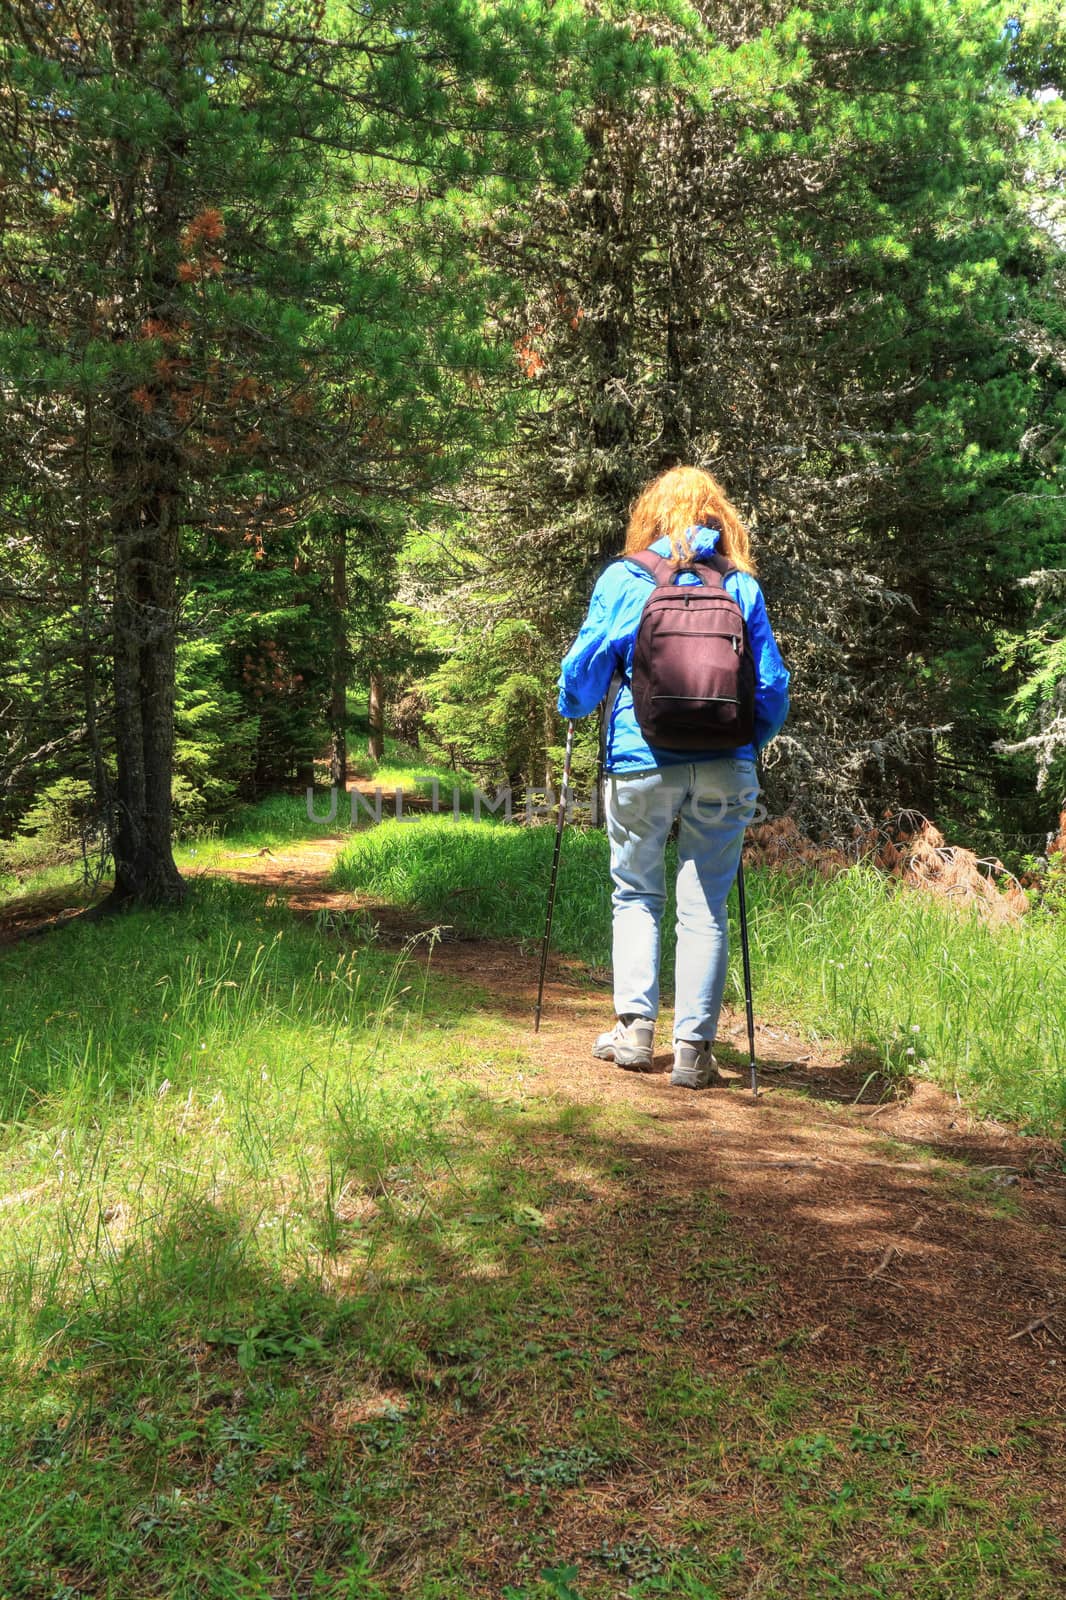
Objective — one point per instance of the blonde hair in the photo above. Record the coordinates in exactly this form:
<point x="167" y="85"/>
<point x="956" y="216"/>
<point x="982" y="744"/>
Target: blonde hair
<point x="684" y="498"/>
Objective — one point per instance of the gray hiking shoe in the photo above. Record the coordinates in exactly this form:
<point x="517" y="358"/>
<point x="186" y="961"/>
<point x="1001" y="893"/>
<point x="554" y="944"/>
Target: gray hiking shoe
<point x="694" y="1066"/>
<point x="630" y="1046"/>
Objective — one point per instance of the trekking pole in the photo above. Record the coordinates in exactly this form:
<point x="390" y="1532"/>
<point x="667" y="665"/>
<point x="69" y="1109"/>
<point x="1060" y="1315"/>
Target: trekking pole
<point x="746" y="953"/>
<point x="747" y="980"/>
<point x="598" y="819"/>
<point x="564" y="798"/>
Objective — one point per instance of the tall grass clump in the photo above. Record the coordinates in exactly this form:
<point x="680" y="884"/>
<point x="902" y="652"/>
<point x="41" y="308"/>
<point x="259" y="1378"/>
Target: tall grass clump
<point x="488" y="878"/>
<point x="933" y="989"/>
<point x="979" y="1006"/>
<point x="123" y="1004"/>
<point x="195" y="1104"/>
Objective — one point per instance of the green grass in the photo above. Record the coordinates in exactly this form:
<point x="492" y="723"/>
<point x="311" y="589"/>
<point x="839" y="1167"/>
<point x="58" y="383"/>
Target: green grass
<point x="411" y="770"/>
<point x="283" y="819"/>
<point x="245" y="986"/>
<point x="271" y="823"/>
<point x="56" y="877"/>
<point x="489" y="878"/>
<point x="310" y="1289"/>
<point x="981" y="1009"/>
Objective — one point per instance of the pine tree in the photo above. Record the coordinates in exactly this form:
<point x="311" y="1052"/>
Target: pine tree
<point x="815" y="275"/>
<point x="236" y="290"/>
<point x="1037" y="650"/>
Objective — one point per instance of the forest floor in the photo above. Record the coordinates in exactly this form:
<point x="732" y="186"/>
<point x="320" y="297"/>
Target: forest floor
<point x="812" y="1344"/>
<point x="901" y="1260"/>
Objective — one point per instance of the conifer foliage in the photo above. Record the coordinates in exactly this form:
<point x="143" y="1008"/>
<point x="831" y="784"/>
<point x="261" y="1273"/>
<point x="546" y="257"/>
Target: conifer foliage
<point x="279" y="283"/>
<point x="235" y="289"/>
<point x="820" y="273"/>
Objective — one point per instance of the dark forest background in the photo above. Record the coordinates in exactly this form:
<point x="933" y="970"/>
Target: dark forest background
<point x="335" y="342"/>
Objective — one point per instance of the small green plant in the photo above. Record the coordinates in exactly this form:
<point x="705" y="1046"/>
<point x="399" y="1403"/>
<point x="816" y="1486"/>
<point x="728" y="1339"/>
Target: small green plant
<point x="263" y="1342"/>
<point x="801" y="1458"/>
<point x="873" y="1441"/>
<point x="557" y="1580"/>
<point x="1053" y="887"/>
<point x="635" y="1558"/>
<point x="559" y="1469"/>
<point x="931" y="1506"/>
<point x="358" y="926"/>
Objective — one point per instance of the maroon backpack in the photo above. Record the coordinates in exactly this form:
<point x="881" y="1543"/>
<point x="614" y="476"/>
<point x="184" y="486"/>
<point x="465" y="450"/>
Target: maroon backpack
<point x="693" y="674"/>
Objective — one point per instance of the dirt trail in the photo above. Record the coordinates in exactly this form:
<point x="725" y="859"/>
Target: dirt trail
<point x="885" y="1224"/>
<point x="298" y="873"/>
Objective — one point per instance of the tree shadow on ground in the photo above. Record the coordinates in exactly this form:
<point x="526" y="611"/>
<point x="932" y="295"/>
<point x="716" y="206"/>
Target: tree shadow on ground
<point x="552" y="1313"/>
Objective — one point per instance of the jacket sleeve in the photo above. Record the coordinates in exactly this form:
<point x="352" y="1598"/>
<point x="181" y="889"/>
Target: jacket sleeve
<point x="592" y="659"/>
<point x="771" y="674"/>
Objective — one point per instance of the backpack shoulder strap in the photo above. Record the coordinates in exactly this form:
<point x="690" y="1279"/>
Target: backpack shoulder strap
<point x="663" y="572"/>
<point x="712" y="570"/>
<point x="721" y="564"/>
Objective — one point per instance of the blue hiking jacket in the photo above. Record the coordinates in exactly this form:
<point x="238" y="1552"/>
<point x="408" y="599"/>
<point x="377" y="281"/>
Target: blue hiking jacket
<point x="605" y="645"/>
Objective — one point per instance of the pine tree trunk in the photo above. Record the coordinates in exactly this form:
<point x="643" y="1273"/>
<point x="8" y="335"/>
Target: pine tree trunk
<point x="146" y="505"/>
<point x="682" y="352"/>
<point x="376" y="718"/>
<point x="145" y="614"/>
<point x="609" y="333"/>
<point x="338" y="706"/>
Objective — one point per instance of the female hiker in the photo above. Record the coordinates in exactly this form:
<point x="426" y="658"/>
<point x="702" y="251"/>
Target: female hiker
<point x="711" y="690"/>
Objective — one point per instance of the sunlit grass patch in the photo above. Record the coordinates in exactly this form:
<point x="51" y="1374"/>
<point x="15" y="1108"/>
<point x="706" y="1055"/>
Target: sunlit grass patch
<point x="209" y="1087"/>
<point x="312" y="1226"/>
<point x="220" y="1085"/>
<point x="488" y="877"/>
<point x="122" y="1005"/>
<point x="308" y="1286"/>
<point x="936" y="991"/>
<point x="982" y="1009"/>
<point x="284" y="819"/>
<point x="41" y="881"/>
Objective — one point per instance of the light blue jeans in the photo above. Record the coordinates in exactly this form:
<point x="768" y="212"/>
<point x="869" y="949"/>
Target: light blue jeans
<point x="713" y="802"/>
